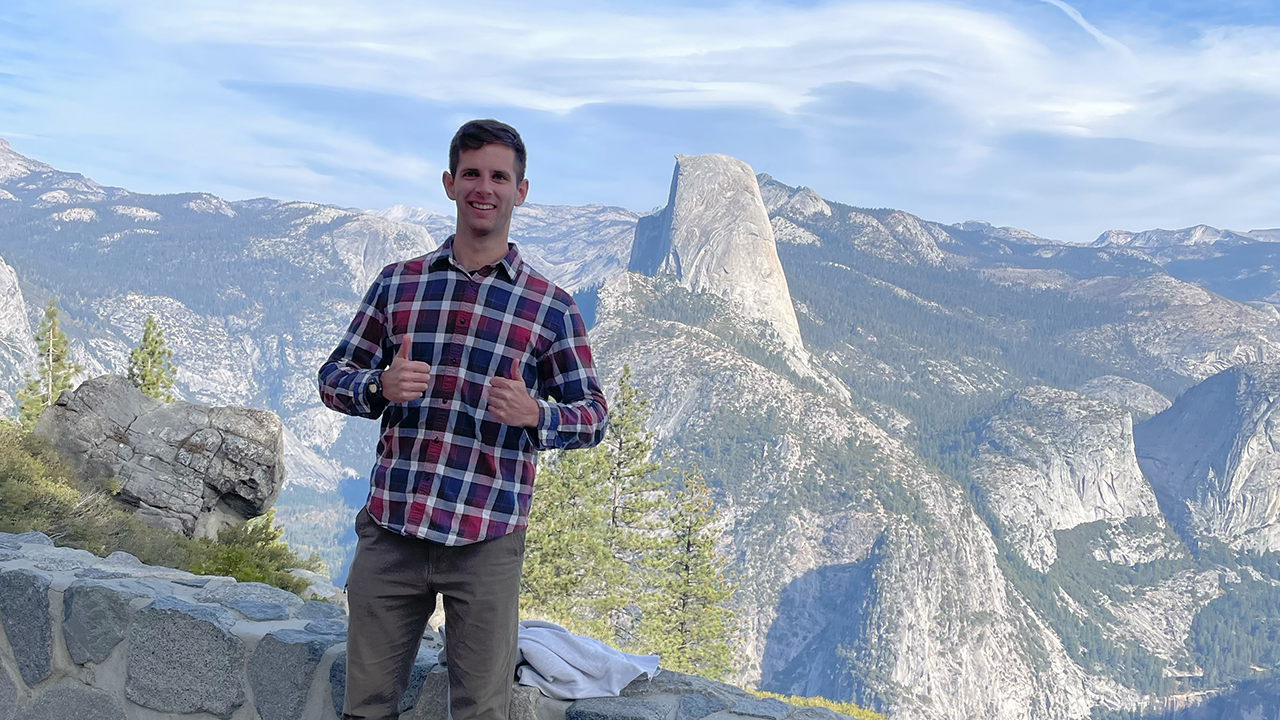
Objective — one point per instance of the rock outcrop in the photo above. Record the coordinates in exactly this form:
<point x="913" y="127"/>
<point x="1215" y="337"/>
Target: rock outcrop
<point x="184" y="467"/>
<point x="1214" y="457"/>
<point x="1053" y="459"/>
<point x="1142" y="401"/>
<point x="109" y="639"/>
<point x="714" y="236"/>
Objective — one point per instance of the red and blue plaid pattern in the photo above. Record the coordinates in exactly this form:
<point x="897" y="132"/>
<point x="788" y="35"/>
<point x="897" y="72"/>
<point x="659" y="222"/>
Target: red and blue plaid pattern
<point x="446" y="471"/>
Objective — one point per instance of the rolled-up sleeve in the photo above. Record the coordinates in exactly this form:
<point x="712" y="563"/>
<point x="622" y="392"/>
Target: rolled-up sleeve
<point x="575" y="414"/>
<point x="345" y="376"/>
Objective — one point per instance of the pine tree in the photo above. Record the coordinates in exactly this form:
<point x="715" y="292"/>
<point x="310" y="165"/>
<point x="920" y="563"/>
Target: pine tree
<point x="594" y="514"/>
<point x="53" y="369"/>
<point x="569" y="566"/>
<point x="608" y="541"/>
<point x="637" y="500"/>
<point x="685" y="617"/>
<point x="149" y="367"/>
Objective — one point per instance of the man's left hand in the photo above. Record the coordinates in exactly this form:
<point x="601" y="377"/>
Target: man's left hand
<point x="511" y="404"/>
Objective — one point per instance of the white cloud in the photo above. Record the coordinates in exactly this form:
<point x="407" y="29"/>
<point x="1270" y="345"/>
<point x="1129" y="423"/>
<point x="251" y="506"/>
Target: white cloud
<point x="171" y="71"/>
<point x="990" y="70"/>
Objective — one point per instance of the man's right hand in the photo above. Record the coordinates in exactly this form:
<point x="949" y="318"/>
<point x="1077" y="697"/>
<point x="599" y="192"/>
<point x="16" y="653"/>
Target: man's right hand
<point x="405" y="379"/>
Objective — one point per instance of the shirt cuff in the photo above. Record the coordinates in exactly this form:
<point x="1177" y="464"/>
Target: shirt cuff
<point x="548" y="423"/>
<point x="361" y="389"/>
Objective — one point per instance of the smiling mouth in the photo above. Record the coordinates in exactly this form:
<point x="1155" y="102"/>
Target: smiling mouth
<point x="482" y="206"/>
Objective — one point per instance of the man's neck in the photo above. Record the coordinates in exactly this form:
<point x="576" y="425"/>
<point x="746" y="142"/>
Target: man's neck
<point x="474" y="252"/>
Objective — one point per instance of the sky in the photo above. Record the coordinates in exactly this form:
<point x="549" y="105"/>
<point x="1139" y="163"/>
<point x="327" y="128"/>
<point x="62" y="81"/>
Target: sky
<point x="1065" y="119"/>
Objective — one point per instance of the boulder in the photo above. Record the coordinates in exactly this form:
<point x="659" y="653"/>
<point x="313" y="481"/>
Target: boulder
<point x="670" y="682"/>
<point x="183" y="658"/>
<point x="33" y="537"/>
<point x="696" y="706"/>
<point x="316" y="610"/>
<point x="72" y="700"/>
<point x="254" y="600"/>
<point x="281" y="670"/>
<point x="24" y="607"/>
<point x="182" y="466"/>
<point x="96" y="613"/>
<point x="766" y="708"/>
<point x="615" y="708"/>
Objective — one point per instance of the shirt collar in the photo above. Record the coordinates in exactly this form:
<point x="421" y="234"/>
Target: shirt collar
<point x="511" y="263"/>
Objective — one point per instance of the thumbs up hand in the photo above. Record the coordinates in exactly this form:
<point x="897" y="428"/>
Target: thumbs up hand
<point x="405" y="379"/>
<point x="510" y="402"/>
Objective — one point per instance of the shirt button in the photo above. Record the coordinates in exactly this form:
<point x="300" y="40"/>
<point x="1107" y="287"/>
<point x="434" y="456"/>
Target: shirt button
<point x="435" y="441"/>
<point x="462" y="322"/>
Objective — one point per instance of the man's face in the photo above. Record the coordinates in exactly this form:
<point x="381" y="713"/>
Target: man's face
<point x="485" y="189"/>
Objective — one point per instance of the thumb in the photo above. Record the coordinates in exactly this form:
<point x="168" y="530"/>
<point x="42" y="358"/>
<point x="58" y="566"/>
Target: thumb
<point x="403" y="352"/>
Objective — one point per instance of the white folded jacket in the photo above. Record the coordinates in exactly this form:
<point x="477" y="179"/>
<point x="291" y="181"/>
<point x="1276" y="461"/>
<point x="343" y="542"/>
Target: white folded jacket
<point x="565" y="666"/>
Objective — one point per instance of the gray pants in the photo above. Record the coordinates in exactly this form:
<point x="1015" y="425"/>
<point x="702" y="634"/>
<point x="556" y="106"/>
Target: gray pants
<point x="391" y="590"/>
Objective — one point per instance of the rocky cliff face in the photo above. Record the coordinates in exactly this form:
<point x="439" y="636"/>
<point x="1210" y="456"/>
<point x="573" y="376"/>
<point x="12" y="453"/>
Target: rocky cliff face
<point x="863" y="572"/>
<point x="17" y="348"/>
<point x="714" y="236"/>
<point x="184" y="467"/>
<point x="1213" y="460"/>
<point x="1051" y="460"/>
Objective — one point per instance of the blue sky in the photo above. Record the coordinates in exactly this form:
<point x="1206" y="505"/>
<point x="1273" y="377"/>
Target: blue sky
<point x="1063" y="119"/>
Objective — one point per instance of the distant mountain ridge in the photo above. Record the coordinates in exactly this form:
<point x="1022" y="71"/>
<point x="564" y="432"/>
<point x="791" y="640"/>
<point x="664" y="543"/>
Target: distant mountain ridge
<point x="1195" y="235"/>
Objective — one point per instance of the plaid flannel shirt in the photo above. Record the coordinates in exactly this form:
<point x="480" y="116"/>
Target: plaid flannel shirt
<point x="446" y="471"/>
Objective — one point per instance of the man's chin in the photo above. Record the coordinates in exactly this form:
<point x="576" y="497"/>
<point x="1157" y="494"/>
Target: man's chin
<point x="482" y="230"/>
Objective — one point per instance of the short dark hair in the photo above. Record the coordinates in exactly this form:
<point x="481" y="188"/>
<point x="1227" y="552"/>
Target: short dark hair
<point x="478" y="133"/>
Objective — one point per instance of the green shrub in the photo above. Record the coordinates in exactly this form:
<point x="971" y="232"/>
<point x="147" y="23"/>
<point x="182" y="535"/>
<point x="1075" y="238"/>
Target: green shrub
<point x="843" y="708"/>
<point x="39" y="491"/>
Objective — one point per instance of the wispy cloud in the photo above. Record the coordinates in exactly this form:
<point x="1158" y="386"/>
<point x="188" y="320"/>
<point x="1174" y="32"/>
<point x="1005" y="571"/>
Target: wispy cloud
<point x="209" y="83"/>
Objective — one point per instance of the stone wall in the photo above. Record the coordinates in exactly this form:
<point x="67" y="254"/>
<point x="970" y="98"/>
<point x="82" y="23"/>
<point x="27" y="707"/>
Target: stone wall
<point x="89" y="638"/>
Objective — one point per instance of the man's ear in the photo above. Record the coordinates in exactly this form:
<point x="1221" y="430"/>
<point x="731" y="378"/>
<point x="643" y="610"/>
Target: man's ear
<point x="522" y="190"/>
<point x="447" y="179"/>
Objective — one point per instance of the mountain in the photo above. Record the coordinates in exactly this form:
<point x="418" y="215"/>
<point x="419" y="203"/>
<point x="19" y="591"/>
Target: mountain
<point x="1213" y="457"/>
<point x="862" y="569"/>
<point x="1053" y="460"/>
<point x="1241" y="266"/>
<point x="870" y="466"/>
<point x="864" y="566"/>
<point x="1197" y="235"/>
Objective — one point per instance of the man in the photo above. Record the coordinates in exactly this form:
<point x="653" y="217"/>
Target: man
<point x="447" y="348"/>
